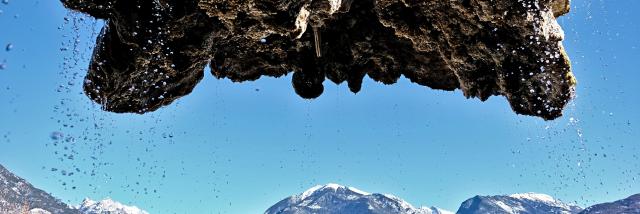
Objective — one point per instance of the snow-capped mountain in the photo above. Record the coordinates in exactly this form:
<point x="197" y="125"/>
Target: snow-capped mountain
<point x="107" y="206"/>
<point x="527" y="203"/>
<point x="334" y="198"/>
<point x="630" y="205"/>
<point x="17" y="196"/>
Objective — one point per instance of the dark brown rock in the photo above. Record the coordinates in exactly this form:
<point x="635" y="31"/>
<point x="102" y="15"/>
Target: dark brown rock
<point x="148" y="54"/>
<point x="153" y="52"/>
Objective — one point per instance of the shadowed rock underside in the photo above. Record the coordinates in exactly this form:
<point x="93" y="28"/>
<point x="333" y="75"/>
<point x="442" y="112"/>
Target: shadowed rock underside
<point x="151" y="53"/>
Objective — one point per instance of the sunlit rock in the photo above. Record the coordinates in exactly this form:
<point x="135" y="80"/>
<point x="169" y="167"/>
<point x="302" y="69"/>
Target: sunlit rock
<point x="150" y="53"/>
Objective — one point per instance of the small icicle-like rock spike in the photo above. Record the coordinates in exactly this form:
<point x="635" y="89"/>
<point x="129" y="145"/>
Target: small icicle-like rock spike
<point x="317" y="41"/>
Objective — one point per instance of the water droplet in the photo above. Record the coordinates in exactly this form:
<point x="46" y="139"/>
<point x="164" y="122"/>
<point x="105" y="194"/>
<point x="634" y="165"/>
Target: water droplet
<point x="56" y="135"/>
<point x="9" y="47"/>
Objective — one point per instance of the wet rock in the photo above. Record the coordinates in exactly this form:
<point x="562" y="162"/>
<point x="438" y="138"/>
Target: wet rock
<point x="148" y="54"/>
<point x="153" y="52"/>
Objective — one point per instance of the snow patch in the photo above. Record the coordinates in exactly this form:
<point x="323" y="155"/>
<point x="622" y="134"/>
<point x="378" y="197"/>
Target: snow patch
<point x="504" y="206"/>
<point x="534" y="197"/>
<point x="358" y="191"/>
<point x="330" y="186"/>
<point x="89" y="206"/>
<point x="38" y="211"/>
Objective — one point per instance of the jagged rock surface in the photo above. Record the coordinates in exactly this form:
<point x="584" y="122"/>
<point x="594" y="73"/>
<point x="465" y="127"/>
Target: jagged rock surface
<point x="148" y="54"/>
<point x="18" y="196"/>
<point x="153" y="52"/>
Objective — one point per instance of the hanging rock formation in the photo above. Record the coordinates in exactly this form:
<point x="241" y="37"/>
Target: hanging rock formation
<point x="151" y="53"/>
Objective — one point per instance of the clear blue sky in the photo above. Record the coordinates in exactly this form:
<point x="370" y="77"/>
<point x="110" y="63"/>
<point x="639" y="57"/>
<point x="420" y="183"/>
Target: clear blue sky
<point x="228" y="148"/>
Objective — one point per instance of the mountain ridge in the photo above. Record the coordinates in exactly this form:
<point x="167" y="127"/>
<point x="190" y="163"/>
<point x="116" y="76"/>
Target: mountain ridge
<point x="324" y="198"/>
<point x="335" y="199"/>
<point x="17" y="196"/>
<point x="629" y="205"/>
<point x="521" y="203"/>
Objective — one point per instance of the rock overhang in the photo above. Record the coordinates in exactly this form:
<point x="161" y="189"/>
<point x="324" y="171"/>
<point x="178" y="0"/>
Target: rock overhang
<point x="152" y="52"/>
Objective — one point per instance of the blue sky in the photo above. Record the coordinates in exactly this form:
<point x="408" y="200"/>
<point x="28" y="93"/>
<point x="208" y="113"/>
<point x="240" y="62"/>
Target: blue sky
<point x="228" y="148"/>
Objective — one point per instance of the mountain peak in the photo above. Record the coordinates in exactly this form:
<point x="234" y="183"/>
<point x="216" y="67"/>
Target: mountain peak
<point x="522" y="203"/>
<point x="330" y="187"/>
<point x="16" y="192"/>
<point x="334" y="198"/>
<point x="40" y="202"/>
<point x="532" y="196"/>
<point x="107" y="205"/>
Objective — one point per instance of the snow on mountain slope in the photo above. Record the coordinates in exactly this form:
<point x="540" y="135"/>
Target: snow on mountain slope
<point x="630" y="205"/>
<point x="335" y="199"/>
<point x="107" y="206"/>
<point x="525" y="203"/>
<point x="17" y="196"/>
<point x="38" y="211"/>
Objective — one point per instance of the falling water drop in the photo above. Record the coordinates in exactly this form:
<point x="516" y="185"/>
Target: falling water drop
<point x="56" y="135"/>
